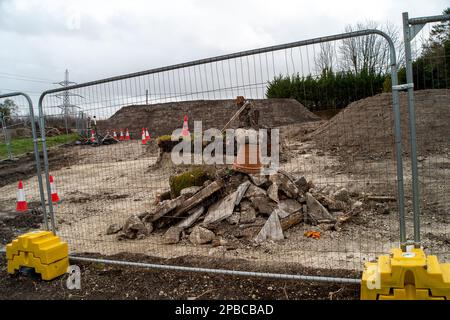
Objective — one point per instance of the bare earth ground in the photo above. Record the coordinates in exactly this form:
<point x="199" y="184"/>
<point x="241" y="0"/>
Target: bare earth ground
<point x="108" y="183"/>
<point x="103" y="185"/>
<point x="100" y="281"/>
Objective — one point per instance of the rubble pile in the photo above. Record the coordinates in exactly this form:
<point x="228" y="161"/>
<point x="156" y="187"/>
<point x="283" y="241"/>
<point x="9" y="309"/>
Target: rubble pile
<point x="240" y="206"/>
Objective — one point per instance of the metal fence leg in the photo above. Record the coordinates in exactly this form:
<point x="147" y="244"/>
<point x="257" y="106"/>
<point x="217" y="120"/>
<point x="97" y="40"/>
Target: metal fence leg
<point x="46" y="166"/>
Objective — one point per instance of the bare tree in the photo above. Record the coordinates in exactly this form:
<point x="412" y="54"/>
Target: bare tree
<point x="371" y="52"/>
<point x="326" y="58"/>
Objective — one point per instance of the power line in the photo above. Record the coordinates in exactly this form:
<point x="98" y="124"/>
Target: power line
<point x="20" y="90"/>
<point x="28" y="77"/>
<point x="21" y="79"/>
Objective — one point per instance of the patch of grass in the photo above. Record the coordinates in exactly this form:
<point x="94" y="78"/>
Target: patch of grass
<point x="21" y="146"/>
<point x="195" y="177"/>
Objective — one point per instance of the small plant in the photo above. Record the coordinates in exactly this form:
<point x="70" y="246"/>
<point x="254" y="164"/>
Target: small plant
<point x="195" y="177"/>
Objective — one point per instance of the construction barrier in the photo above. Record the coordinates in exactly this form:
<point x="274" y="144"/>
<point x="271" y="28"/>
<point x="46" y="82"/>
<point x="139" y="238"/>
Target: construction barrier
<point x="40" y="250"/>
<point x="410" y="275"/>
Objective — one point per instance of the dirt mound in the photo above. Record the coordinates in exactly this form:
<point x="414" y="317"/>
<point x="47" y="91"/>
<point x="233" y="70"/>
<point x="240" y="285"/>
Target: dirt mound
<point x="366" y="127"/>
<point x="25" y="166"/>
<point x="163" y="118"/>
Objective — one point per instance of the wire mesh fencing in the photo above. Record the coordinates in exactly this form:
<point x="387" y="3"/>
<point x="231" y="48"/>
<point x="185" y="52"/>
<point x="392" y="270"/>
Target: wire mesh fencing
<point x="21" y="199"/>
<point x="331" y="204"/>
<point x="430" y="76"/>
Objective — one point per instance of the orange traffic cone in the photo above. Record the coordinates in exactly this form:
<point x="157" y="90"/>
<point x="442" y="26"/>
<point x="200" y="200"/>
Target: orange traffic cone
<point x="185" y="132"/>
<point x="147" y="135"/>
<point x="115" y="134"/>
<point x="92" y="136"/>
<point x="21" y="201"/>
<point x="143" y="137"/>
<point x="55" y="197"/>
<point x="121" y="135"/>
<point x="127" y="135"/>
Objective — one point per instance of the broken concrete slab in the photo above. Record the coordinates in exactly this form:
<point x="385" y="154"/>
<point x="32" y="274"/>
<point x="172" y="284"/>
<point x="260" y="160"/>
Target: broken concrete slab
<point x="291" y="220"/>
<point x="281" y="213"/>
<point x="172" y="235"/>
<point x="221" y="209"/>
<point x="285" y="184"/>
<point x="254" y="191"/>
<point x="162" y="209"/>
<point x="263" y="205"/>
<point x="316" y="211"/>
<point x="192" y="216"/>
<point x="272" y="192"/>
<point x="290" y="205"/>
<point x="133" y="227"/>
<point x="258" y="179"/>
<point x="198" y="198"/>
<point x="189" y="191"/>
<point x="201" y="235"/>
<point x="271" y="230"/>
<point x="241" y="190"/>
<point x="248" y="213"/>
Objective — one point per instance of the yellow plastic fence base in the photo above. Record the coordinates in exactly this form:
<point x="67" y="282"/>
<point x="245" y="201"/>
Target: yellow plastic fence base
<point x="40" y="250"/>
<point x="406" y="276"/>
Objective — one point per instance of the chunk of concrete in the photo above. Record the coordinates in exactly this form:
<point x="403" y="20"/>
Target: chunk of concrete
<point x="254" y="191"/>
<point x="201" y="235"/>
<point x="281" y="213"/>
<point x="271" y="230"/>
<point x="263" y="205"/>
<point x="134" y="227"/>
<point x="290" y="205"/>
<point x="172" y="235"/>
<point x="192" y="216"/>
<point x="285" y="184"/>
<point x="316" y="211"/>
<point x="189" y="191"/>
<point x="258" y="179"/>
<point x="221" y="209"/>
<point x="248" y="213"/>
<point x="272" y="192"/>
<point x="241" y="190"/>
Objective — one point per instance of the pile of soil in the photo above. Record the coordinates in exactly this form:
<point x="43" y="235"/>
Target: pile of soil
<point x="163" y="118"/>
<point x="366" y="127"/>
<point x="25" y="166"/>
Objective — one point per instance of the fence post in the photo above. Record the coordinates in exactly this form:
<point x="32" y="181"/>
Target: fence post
<point x="36" y="151"/>
<point x="6" y="136"/>
<point x="410" y="28"/>
<point x="46" y="165"/>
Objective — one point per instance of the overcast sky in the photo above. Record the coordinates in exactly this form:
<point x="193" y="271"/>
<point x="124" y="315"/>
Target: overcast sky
<point x="96" y="39"/>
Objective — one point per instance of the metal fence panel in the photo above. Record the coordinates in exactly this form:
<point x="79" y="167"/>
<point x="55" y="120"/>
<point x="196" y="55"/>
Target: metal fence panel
<point x="359" y="149"/>
<point x="20" y="163"/>
<point x="428" y="100"/>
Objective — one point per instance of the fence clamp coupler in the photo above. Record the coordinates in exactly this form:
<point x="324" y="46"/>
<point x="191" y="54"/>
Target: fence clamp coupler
<point x="401" y="87"/>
